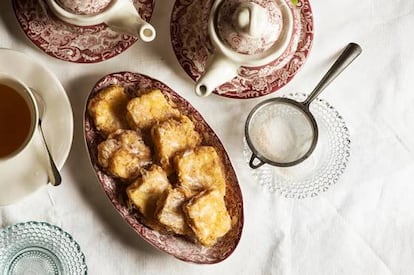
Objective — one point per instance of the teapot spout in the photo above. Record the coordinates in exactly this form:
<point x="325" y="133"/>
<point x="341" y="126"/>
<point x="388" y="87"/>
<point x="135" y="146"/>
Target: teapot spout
<point x="127" y="20"/>
<point x="218" y="71"/>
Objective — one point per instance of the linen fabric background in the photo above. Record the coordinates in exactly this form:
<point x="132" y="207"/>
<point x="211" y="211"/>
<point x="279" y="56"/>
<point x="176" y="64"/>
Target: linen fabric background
<point x="362" y="225"/>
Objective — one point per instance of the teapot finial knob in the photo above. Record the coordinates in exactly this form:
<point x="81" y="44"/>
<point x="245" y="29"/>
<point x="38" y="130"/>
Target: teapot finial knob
<point x="248" y="26"/>
<point x="251" y="19"/>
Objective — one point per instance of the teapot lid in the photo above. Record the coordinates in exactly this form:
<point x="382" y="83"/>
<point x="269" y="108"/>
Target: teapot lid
<point x="84" y="7"/>
<point x="249" y="26"/>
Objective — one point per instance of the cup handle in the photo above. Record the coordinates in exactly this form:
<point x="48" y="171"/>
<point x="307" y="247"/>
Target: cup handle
<point x="257" y="164"/>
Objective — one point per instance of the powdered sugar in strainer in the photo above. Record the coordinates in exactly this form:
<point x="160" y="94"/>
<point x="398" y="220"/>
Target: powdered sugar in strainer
<point x="283" y="132"/>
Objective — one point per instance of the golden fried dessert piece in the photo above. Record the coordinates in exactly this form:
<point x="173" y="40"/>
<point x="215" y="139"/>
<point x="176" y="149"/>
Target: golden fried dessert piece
<point x="148" y="109"/>
<point x="199" y="169"/>
<point x="124" y="165"/>
<point x="146" y="190"/>
<point x="170" y="211"/>
<point x="173" y="136"/>
<point x="123" y="154"/>
<point x="108" y="109"/>
<point x="208" y="217"/>
<point x="105" y="151"/>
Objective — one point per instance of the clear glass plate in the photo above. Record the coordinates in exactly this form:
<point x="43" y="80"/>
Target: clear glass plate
<point x="39" y="248"/>
<point x="322" y="169"/>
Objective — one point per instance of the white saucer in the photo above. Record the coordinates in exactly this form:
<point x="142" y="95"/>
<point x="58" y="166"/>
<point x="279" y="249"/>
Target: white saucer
<point x="28" y="171"/>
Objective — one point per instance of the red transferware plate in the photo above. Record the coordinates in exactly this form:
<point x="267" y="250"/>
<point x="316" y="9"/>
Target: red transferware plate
<point x="175" y="245"/>
<point x="189" y="38"/>
<point x="89" y="44"/>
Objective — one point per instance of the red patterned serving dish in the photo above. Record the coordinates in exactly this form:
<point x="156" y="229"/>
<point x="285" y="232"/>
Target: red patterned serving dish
<point x="177" y="246"/>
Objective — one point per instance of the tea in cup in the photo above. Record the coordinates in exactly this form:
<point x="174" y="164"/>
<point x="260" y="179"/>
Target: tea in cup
<point x="18" y="116"/>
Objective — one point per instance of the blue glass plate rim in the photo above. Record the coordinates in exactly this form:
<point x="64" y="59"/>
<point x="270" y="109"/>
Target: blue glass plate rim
<point x="63" y="234"/>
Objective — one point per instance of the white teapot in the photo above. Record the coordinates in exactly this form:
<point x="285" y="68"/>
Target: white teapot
<point x="246" y="33"/>
<point x="120" y="15"/>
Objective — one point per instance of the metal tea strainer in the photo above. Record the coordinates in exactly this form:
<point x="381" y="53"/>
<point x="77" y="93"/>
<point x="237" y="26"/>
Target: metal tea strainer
<point x="283" y="132"/>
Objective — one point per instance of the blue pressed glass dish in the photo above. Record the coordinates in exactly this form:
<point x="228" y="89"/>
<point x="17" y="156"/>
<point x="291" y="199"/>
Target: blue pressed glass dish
<point x="39" y="248"/>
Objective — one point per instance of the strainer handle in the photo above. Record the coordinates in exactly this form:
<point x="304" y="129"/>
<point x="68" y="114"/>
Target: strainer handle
<point x="351" y="52"/>
<point x="257" y="164"/>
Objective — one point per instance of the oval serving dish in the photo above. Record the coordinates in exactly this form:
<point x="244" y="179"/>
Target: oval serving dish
<point x="175" y="245"/>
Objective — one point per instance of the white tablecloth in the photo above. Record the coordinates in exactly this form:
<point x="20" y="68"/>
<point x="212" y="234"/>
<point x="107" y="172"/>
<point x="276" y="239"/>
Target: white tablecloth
<point x="362" y="225"/>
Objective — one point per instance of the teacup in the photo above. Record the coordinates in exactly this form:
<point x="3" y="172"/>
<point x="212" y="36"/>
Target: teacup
<point x="120" y="15"/>
<point x="18" y="116"/>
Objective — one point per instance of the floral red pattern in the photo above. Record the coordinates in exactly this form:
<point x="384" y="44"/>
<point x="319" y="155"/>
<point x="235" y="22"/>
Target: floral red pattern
<point x="73" y="43"/>
<point x="177" y="246"/>
<point x="188" y="38"/>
